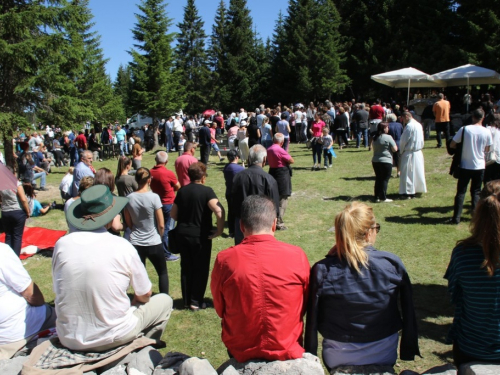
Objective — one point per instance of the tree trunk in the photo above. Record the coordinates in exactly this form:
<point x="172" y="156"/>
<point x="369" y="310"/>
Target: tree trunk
<point x="9" y="149"/>
<point x="155" y="130"/>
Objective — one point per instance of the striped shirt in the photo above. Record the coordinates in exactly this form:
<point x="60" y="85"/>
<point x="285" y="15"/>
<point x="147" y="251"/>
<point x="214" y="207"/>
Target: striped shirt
<point x="476" y="296"/>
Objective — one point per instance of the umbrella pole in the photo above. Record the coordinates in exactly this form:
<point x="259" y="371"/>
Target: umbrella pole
<point x="468" y="94"/>
<point x="408" y="95"/>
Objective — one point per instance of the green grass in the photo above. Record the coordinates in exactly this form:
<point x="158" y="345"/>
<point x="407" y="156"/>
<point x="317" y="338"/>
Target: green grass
<point x="412" y="229"/>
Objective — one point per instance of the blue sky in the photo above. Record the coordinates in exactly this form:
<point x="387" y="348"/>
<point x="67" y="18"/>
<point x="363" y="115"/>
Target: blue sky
<point x="114" y="20"/>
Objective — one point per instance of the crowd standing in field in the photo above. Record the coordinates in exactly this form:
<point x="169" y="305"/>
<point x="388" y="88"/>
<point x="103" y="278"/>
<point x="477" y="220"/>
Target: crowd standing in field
<point x="351" y="297"/>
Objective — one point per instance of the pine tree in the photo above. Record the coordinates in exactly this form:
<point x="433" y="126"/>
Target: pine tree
<point x="217" y="58"/>
<point x="33" y="49"/>
<point x="279" y="84"/>
<point x="326" y="51"/>
<point x="263" y="58"/>
<point x="123" y="87"/>
<point x="155" y="86"/>
<point x="238" y="74"/>
<point x="191" y="59"/>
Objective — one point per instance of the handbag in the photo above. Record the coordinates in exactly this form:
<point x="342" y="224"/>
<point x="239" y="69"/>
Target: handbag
<point x="455" y="169"/>
<point x="173" y="245"/>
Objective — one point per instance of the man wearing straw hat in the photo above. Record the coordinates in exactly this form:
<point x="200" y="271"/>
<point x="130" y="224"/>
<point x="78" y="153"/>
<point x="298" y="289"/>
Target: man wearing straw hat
<point x="92" y="270"/>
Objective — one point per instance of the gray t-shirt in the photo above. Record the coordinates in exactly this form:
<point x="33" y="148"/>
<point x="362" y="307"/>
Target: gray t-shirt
<point x="142" y="207"/>
<point x="382" y="149"/>
<point x="126" y="185"/>
<point x="9" y="200"/>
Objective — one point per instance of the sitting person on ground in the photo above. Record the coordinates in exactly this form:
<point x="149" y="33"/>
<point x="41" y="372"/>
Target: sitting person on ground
<point x="92" y="271"/>
<point x="260" y="289"/>
<point x="474" y="283"/>
<point x="353" y="298"/>
<point x="85" y="183"/>
<point x="36" y="208"/>
<point x="24" y="312"/>
<point x="65" y="186"/>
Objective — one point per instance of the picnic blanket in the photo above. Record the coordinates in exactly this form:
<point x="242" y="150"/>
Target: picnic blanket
<point x="51" y="358"/>
<point x="36" y="239"/>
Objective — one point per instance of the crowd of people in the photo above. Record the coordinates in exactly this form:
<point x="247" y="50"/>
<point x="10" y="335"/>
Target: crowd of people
<point x="357" y="297"/>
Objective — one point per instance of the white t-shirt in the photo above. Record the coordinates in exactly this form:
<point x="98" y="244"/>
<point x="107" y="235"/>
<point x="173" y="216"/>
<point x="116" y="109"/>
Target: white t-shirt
<point x="298" y="117"/>
<point x="476" y="139"/>
<point x="66" y="183"/>
<point x="91" y="273"/>
<point x="18" y="319"/>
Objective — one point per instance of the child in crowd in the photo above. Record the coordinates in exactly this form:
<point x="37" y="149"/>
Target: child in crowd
<point x="66" y="183"/>
<point x="327" y="143"/>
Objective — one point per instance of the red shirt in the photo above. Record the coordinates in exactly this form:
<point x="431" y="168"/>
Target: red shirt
<point x="181" y="167"/>
<point x="81" y="141"/>
<point x="277" y="157"/>
<point x="376" y="112"/>
<point x="259" y="289"/>
<point x="163" y="183"/>
<point x="219" y="120"/>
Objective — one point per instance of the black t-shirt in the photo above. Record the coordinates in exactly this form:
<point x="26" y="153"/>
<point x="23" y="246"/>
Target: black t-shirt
<point x="252" y="132"/>
<point x="205" y="136"/>
<point x="274" y="120"/>
<point x="194" y="216"/>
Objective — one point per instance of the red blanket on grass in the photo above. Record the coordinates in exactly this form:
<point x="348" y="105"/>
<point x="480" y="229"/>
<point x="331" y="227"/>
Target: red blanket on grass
<point x="42" y="238"/>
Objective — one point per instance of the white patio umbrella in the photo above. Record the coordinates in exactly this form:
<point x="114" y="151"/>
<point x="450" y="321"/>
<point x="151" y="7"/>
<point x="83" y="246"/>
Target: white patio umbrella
<point x="468" y="75"/>
<point x="407" y="77"/>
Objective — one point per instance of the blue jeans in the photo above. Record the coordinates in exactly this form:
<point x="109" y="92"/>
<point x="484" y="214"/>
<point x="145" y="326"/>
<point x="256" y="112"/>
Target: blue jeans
<point x="317" y="150"/>
<point x="364" y="133"/>
<point x="122" y="148"/>
<point x="40" y="175"/>
<point x="169" y="224"/>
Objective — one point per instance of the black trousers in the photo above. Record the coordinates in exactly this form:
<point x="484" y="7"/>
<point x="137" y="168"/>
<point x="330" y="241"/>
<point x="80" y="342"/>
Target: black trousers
<point x="442" y="127"/>
<point x="382" y="175"/>
<point x="204" y="154"/>
<point x="13" y="225"/>
<point x="475" y="177"/>
<point x="195" y="268"/>
<point x="177" y="138"/>
<point x="58" y="155"/>
<point x="156" y="256"/>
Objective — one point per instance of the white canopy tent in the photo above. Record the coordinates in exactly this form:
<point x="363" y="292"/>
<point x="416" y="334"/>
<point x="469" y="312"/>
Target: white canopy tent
<point x="467" y="75"/>
<point x="407" y="77"/>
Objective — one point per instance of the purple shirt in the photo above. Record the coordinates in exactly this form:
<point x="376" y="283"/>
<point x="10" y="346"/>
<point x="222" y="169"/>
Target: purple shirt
<point x="277" y="157"/>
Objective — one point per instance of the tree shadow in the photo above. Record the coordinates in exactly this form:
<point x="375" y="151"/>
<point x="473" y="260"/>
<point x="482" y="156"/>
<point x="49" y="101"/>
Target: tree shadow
<point x="432" y="302"/>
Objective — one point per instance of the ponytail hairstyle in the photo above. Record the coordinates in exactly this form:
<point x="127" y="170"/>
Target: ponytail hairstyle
<point x="123" y="163"/>
<point x="485" y="231"/>
<point x="351" y="226"/>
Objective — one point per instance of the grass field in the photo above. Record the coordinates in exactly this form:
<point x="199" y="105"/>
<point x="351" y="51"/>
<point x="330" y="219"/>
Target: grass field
<point x="412" y="229"/>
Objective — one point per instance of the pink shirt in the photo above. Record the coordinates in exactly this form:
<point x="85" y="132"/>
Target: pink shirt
<point x="212" y="133"/>
<point x="317" y="128"/>
<point x="277" y="157"/>
<point x="181" y="167"/>
<point x="232" y="131"/>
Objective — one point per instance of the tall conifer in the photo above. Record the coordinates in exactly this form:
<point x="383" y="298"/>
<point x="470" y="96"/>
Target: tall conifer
<point x="191" y="59"/>
<point x="217" y="55"/>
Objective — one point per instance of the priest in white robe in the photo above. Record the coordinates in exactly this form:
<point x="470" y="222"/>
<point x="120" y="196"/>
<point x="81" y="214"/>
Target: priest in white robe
<point x="412" y="179"/>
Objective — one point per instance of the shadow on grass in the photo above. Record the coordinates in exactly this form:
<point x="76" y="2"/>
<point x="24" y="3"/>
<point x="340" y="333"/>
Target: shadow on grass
<point x="179" y="304"/>
<point x="432" y="303"/>
<point x="347" y="198"/>
<point x="361" y="178"/>
<point x="420" y="216"/>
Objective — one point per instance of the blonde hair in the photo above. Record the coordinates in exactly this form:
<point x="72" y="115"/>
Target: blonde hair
<point x="71" y="169"/>
<point x="351" y="226"/>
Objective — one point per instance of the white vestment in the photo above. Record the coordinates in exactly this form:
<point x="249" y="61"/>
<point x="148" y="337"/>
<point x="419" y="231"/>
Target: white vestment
<point x="412" y="179"/>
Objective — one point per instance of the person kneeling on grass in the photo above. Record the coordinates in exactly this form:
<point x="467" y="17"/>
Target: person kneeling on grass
<point x="23" y="311"/>
<point x="92" y="270"/>
<point x="353" y="298"/>
<point x="259" y="288"/>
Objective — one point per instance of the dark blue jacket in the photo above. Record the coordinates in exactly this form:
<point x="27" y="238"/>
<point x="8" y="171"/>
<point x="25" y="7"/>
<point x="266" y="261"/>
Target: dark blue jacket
<point x="348" y="306"/>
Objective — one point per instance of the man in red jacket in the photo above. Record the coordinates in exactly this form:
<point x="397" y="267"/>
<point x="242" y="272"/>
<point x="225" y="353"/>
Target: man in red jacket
<point x="259" y="289"/>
